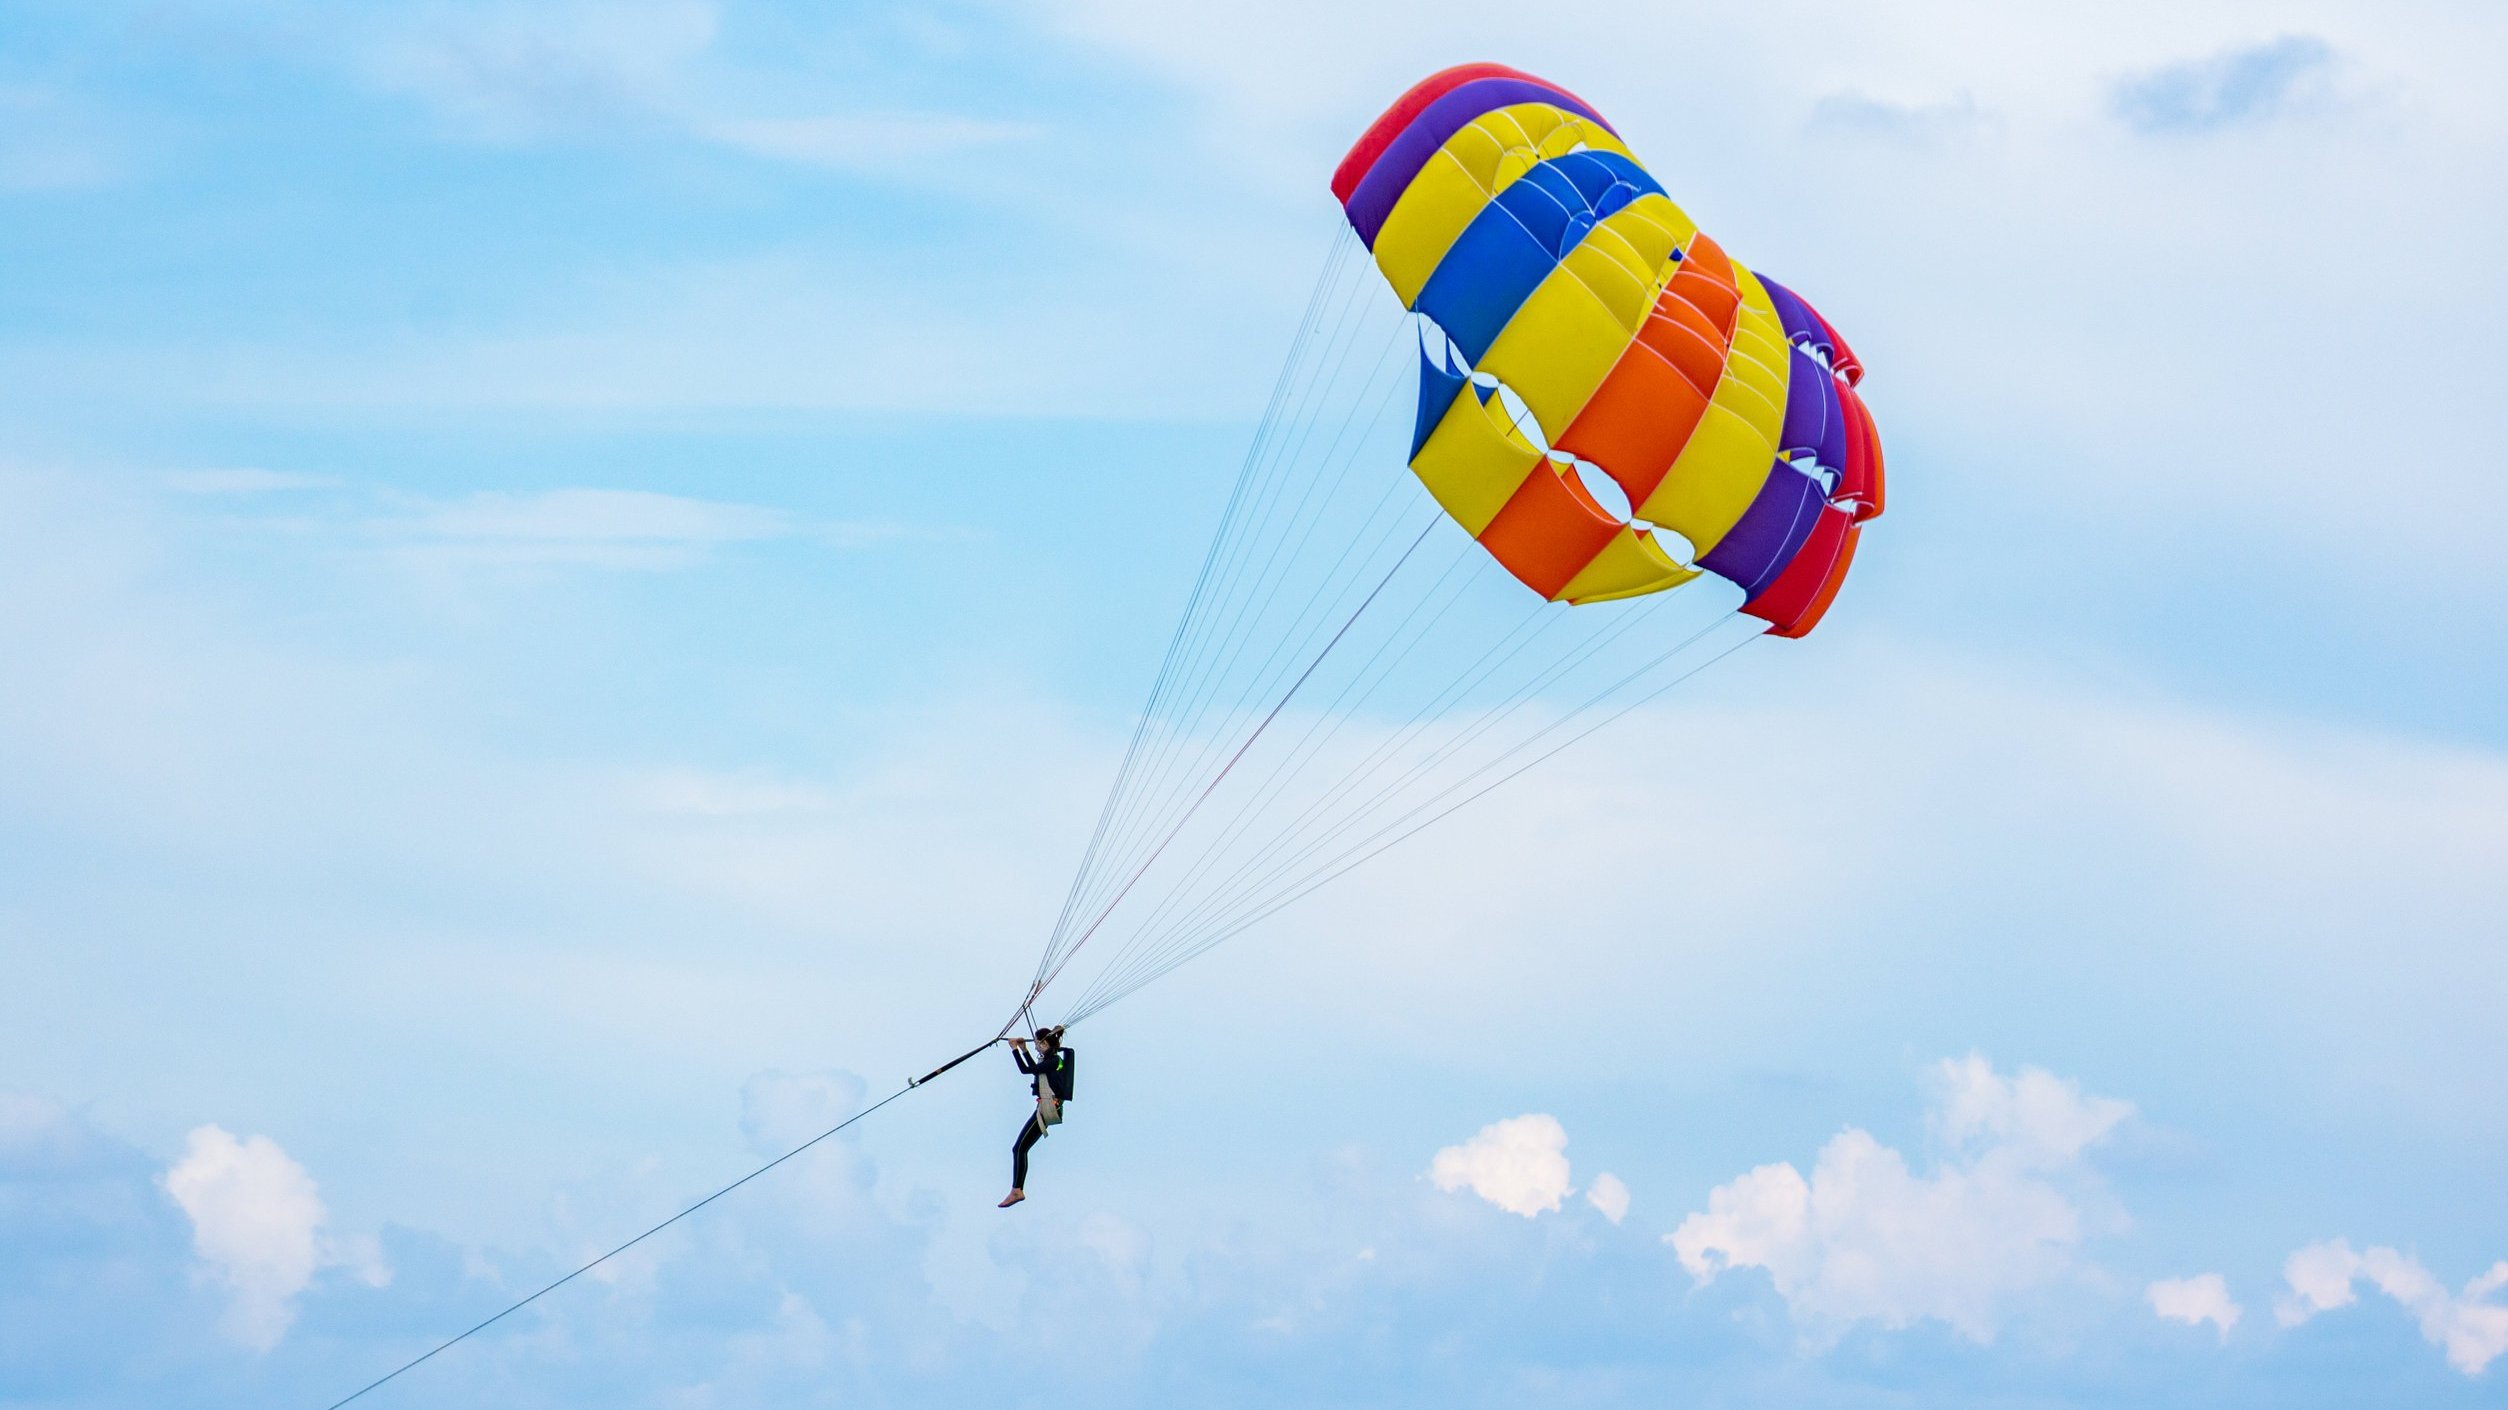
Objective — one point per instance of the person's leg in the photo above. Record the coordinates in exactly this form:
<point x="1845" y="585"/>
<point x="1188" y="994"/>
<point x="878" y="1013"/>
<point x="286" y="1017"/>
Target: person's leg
<point x="1029" y="1135"/>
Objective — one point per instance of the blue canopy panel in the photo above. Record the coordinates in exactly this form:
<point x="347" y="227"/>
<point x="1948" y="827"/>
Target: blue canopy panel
<point x="1519" y="237"/>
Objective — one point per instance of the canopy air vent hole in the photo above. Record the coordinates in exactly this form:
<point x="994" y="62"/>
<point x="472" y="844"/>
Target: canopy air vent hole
<point x="1438" y="348"/>
<point x="1605" y="490"/>
<point x="1433" y="344"/>
<point x="1682" y="550"/>
<point x="1519" y="416"/>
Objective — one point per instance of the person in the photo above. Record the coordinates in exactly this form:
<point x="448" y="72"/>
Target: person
<point x="1049" y="1072"/>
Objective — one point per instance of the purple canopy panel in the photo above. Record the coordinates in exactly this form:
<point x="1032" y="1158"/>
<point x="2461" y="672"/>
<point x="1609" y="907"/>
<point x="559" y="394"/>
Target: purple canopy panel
<point x="1402" y="159"/>
<point x="1758" y="547"/>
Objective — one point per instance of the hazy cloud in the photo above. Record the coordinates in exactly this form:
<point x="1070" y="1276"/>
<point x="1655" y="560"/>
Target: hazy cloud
<point x="1910" y="124"/>
<point x="853" y="142"/>
<point x="574" y="71"/>
<point x="604" y="528"/>
<point x="780" y="1110"/>
<point x="598" y="516"/>
<point x="506" y="72"/>
<point x="699" y="793"/>
<point x="1610" y="1195"/>
<point x="2241" y="86"/>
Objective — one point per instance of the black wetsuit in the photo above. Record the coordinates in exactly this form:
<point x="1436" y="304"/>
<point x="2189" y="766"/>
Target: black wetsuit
<point x="1051" y="1071"/>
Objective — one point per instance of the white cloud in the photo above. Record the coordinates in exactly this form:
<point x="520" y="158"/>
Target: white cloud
<point x="1610" y="1195"/>
<point x="1519" y="1164"/>
<point x="2320" y="1281"/>
<point x="2195" y="1301"/>
<point x="257" y="1222"/>
<point x="1867" y="1238"/>
<point x="2468" y="1325"/>
<point x="2034" y="1119"/>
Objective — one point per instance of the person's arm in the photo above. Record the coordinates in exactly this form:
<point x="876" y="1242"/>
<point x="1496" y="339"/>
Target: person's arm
<point x="1019" y="1055"/>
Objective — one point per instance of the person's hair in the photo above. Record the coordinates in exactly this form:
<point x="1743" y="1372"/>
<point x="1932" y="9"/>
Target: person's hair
<point x="1051" y="1035"/>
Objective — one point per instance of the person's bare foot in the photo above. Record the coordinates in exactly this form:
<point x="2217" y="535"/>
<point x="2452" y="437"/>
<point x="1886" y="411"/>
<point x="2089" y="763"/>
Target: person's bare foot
<point x="1012" y="1198"/>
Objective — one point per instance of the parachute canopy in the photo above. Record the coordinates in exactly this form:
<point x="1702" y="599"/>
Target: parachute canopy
<point x="1590" y="326"/>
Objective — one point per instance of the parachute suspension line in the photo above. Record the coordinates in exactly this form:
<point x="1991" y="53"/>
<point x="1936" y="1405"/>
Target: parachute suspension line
<point x="1233" y="892"/>
<point x="1540" y="619"/>
<point x="1022" y="1017"/>
<point x="1283" y="444"/>
<point x="1404" y="828"/>
<point x="1261" y="483"/>
<point x="1184" y="752"/>
<point x="1312" y="619"/>
<point x="1739" y="640"/>
<point x="1235" y="888"/>
<point x="1336" y="256"/>
<point x="1147" y="941"/>
<point x="1192" y="938"/>
<point x="1327" y="279"/>
<point x="1324" y="727"/>
<point x="1180" y="764"/>
<point x="1171" y="819"/>
<point x="1303" y="677"/>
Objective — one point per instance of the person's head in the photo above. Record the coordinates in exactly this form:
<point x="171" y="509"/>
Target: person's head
<point x="1050" y="1037"/>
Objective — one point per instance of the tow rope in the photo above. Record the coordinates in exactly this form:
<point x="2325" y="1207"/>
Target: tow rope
<point x="450" y="1342"/>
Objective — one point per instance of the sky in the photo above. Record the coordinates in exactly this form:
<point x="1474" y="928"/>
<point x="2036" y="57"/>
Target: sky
<point x="577" y="573"/>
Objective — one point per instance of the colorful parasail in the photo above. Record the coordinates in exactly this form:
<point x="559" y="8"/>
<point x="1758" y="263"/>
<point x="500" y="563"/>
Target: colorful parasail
<point x="1589" y="326"/>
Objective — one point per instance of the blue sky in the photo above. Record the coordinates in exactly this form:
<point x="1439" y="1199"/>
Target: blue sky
<point x="578" y="572"/>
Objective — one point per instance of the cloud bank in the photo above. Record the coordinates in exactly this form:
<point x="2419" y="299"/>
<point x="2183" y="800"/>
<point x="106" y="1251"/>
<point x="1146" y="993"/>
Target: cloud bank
<point x="2469" y="1325"/>
<point x="1865" y="1237"/>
